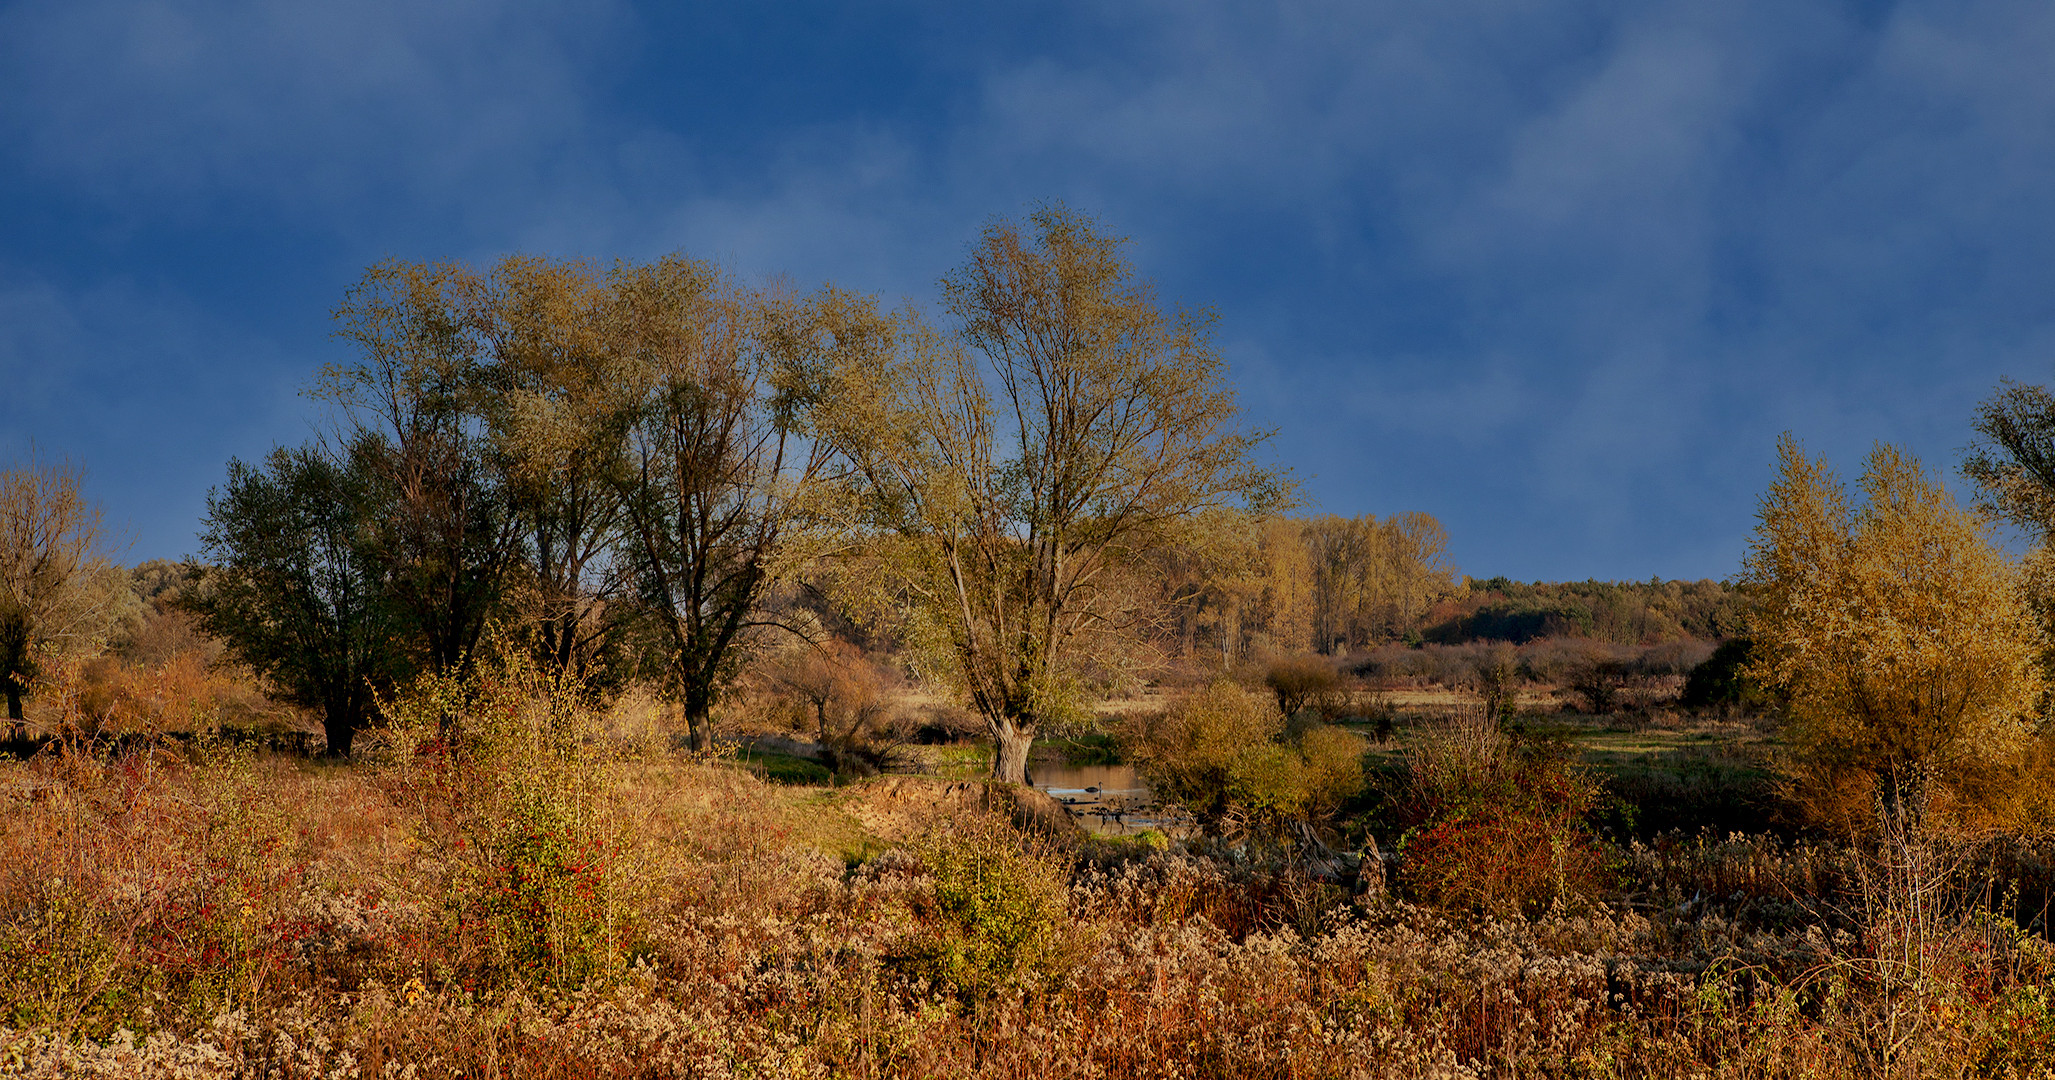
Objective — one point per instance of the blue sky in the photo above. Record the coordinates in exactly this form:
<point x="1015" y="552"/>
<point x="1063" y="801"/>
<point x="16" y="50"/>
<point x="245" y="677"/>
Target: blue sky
<point x="1555" y="272"/>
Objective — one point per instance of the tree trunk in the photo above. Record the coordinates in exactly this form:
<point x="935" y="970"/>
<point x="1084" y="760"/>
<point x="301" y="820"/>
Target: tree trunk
<point x="14" y="701"/>
<point x="1010" y="755"/>
<point x="341" y="729"/>
<point x="698" y="728"/>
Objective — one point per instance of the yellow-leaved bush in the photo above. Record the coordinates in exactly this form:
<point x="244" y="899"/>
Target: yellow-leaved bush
<point x="1901" y="638"/>
<point x="506" y="776"/>
<point x="1230" y="758"/>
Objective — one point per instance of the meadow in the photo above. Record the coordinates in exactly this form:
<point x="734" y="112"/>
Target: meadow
<point x="529" y="893"/>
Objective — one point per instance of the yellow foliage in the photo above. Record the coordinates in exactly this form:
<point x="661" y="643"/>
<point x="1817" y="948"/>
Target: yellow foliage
<point x="1898" y="631"/>
<point x="1229" y="757"/>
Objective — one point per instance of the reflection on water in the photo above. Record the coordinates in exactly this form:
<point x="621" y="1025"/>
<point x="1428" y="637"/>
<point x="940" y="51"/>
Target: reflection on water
<point x="1108" y="799"/>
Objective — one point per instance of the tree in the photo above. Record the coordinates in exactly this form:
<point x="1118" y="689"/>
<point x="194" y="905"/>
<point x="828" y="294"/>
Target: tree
<point x="293" y="587"/>
<point x="1896" y="629"/>
<point x="1372" y="579"/>
<point x="445" y="531"/>
<point x="50" y="550"/>
<point x="556" y="401"/>
<point x="1064" y="426"/>
<point x="2013" y="466"/>
<point x="723" y="486"/>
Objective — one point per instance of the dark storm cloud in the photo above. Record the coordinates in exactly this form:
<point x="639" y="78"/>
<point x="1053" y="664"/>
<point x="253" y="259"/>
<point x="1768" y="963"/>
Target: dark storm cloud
<point x="1558" y="273"/>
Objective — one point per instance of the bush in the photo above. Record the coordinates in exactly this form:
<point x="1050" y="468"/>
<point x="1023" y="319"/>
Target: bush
<point x="1600" y="683"/>
<point x="162" y="893"/>
<point x="1304" y="682"/>
<point x="837" y="695"/>
<point x="1496" y="825"/>
<point x="1721" y="681"/>
<point x="1230" y="759"/>
<point x="1497" y="678"/>
<point x="999" y="919"/>
<point x="505" y="777"/>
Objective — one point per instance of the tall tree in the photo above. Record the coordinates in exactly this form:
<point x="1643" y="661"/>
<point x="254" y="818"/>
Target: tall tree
<point x="1894" y="625"/>
<point x="557" y="397"/>
<point x="293" y="587"/>
<point x="445" y="531"/>
<point x="2013" y="463"/>
<point x="50" y="546"/>
<point x="724" y="486"/>
<point x="1066" y="424"/>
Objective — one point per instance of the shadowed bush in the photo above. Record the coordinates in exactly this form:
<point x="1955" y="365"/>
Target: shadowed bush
<point x="1495" y="825"/>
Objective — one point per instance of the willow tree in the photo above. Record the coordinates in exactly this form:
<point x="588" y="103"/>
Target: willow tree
<point x="556" y="401"/>
<point x="1895" y="626"/>
<point x="50" y="552"/>
<point x="1020" y="462"/>
<point x="725" y="490"/>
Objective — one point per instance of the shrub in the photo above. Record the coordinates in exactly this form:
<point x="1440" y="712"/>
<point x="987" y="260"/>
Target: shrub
<point x="837" y="695"/>
<point x="1496" y="825"/>
<point x="1230" y="759"/>
<point x="505" y="776"/>
<point x="143" y="888"/>
<point x="1721" y="680"/>
<point x="1600" y="683"/>
<point x="1497" y="678"/>
<point x="1304" y="682"/>
<point x="999" y="919"/>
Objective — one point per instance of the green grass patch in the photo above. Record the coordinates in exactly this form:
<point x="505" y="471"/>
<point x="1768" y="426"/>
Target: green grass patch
<point x="955" y="761"/>
<point x="786" y="768"/>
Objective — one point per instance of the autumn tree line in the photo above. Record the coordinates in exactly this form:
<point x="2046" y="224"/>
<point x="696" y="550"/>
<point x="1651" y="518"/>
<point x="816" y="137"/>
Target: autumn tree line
<point x="644" y="471"/>
<point x="648" y="472"/>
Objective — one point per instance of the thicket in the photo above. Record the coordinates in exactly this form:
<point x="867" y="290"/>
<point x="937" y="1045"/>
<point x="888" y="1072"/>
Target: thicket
<point x="1595" y="677"/>
<point x="1234" y="761"/>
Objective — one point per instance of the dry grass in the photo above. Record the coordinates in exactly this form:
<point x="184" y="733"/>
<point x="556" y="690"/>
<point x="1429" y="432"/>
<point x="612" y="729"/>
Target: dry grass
<point x="234" y="915"/>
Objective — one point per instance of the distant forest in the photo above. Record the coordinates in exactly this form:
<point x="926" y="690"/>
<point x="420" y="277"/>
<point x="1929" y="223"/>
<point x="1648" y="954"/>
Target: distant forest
<point x="1342" y="585"/>
<point x="1621" y="612"/>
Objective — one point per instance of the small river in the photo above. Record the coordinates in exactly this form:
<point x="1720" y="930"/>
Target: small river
<point x="1106" y="799"/>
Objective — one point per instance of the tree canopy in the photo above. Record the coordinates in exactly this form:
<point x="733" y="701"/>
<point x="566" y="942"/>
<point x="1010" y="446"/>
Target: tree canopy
<point x="1063" y="425"/>
<point x="51" y="552"/>
<point x="1894" y="626"/>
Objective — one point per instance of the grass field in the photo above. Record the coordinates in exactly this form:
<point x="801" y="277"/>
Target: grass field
<point x="570" y="908"/>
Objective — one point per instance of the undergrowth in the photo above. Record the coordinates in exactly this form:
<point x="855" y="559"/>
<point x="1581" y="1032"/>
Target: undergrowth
<point x="499" y="892"/>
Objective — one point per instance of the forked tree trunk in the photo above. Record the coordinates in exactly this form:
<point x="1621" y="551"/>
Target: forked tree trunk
<point x="1011" y="739"/>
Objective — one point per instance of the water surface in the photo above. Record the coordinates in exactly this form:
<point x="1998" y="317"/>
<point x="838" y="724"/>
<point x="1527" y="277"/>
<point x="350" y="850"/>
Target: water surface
<point x="1107" y="799"/>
